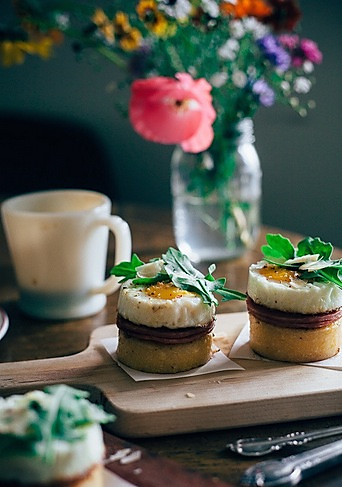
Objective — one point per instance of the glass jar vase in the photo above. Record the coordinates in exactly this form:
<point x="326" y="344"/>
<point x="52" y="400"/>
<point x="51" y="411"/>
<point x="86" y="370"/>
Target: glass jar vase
<point x="217" y="197"/>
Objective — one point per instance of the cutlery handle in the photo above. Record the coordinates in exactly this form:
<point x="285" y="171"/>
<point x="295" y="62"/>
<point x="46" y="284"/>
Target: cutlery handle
<point x="318" y="459"/>
<point x="291" y="470"/>
<point x="259" y="446"/>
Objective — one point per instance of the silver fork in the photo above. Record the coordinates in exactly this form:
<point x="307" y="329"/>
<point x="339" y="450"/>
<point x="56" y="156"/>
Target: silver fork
<point x="256" y="447"/>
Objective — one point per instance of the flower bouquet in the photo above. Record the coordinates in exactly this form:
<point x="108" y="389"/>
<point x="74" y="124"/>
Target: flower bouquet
<point x="197" y="72"/>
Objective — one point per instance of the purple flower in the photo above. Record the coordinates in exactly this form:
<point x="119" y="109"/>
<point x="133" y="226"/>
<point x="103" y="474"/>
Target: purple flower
<point x="264" y="93"/>
<point x="274" y="52"/>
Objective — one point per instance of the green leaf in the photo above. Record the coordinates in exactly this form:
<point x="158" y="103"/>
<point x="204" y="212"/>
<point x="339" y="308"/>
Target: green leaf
<point x="148" y="281"/>
<point x="230" y="294"/>
<point x="332" y="274"/>
<point x="127" y="269"/>
<point x="179" y="270"/>
<point x="185" y="276"/>
<point x="311" y="246"/>
<point x="279" y="248"/>
<point x="175" y="261"/>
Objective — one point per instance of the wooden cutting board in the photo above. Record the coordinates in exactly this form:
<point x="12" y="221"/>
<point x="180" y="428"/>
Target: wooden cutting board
<point x="265" y="392"/>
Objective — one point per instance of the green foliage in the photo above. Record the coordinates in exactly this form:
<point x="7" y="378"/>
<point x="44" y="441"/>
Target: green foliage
<point x="179" y="270"/>
<point x="57" y="413"/>
<point x="319" y="268"/>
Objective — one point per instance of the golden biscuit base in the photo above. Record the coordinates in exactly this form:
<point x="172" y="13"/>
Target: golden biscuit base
<point x="294" y="344"/>
<point x="92" y="478"/>
<point x="161" y="358"/>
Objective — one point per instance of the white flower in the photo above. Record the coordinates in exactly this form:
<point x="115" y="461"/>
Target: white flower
<point x="207" y="162"/>
<point x="63" y="21"/>
<point x="294" y="102"/>
<point x="258" y="29"/>
<point x="308" y="67"/>
<point x="285" y="85"/>
<point x="236" y="29"/>
<point x="193" y="71"/>
<point x="302" y="85"/>
<point x="180" y="10"/>
<point x="229" y="49"/>
<point x="218" y="79"/>
<point x="239" y="79"/>
<point x="211" y="8"/>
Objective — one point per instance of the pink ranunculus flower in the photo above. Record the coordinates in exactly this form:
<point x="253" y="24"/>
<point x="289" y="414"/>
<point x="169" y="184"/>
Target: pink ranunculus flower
<point x="173" y="111"/>
<point x="311" y="51"/>
<point x="307" y="51"/>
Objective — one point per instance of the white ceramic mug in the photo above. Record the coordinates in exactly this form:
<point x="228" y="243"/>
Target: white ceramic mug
<point x="58" y="241"/>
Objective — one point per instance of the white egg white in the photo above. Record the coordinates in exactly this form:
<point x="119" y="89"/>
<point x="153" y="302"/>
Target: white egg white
<point x="71" y="459"/>
<point x="181" y="312"/>
<point x="297" y="296"/>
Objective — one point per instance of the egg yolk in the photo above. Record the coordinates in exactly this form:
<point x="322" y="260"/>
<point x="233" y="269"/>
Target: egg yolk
<point x="166" y="290"/>
<point x="279" y="274"/>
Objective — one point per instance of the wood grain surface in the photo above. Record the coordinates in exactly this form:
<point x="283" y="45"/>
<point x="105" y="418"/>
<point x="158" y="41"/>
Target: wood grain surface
<point x="265" y="392"/>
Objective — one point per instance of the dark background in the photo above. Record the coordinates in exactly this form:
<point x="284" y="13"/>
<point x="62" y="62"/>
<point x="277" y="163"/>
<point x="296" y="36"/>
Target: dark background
<point x="59" y="128"/>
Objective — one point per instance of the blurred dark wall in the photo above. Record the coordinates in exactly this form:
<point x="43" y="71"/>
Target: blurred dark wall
<point x="69" y="134"/>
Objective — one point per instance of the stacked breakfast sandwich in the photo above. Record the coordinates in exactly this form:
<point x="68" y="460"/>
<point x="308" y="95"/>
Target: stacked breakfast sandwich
<point x="51" y="438"/>
<point x="166" y="313"/>
<point x="295" y="301"/>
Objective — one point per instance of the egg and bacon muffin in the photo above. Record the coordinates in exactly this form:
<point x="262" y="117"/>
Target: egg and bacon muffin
<point x="294" y="300"/>
<point x="166" y="313"/>
<point x="51" y="438"/>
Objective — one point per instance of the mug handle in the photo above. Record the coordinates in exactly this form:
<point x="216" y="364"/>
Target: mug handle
<point x="123" y="251"/>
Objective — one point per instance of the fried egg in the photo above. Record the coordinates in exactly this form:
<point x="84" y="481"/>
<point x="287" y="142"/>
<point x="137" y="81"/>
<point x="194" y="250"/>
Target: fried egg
<point x="282" y="289"/>
<point x="163" y="304"/>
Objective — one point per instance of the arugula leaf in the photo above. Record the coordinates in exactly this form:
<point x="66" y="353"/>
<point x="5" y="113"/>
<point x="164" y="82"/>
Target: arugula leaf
<point x="229" y="294"/>
<point x="311" y="246"/>
<point x="175" y="261"/>
<point x="127" y="269"/>
<point x="279" y="248"/>
<point x="185" y="276"/>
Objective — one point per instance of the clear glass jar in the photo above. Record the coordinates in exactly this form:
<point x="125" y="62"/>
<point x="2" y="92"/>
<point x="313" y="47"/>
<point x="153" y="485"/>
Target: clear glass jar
<point x="223" y="220"/>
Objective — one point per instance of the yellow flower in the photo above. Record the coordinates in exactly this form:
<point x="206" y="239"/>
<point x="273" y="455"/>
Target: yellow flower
<point x="129" y="38"/>
<point x="13" y="52"/>
<point x="121" y="23"/>
<point x="42" y="47"/>
<point x="103" y="23"/>
<point x="154" y="20"/>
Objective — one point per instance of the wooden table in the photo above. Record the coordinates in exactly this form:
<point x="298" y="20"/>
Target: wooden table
<point x="28" y="339"/>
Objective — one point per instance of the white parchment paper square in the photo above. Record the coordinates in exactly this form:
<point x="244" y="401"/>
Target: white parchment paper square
<point x="242" y="349"/>
<point x="218" y="363"/>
